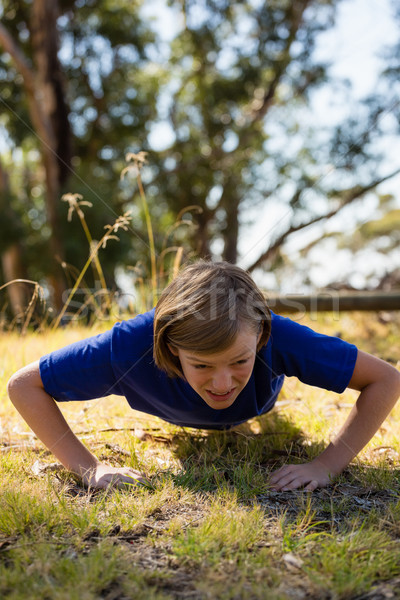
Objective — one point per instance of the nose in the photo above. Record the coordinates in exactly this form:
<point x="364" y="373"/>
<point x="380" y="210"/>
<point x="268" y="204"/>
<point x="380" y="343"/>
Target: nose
<point x="222" y="381"/>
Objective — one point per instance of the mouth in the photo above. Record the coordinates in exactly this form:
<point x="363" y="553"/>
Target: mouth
<point x="221" y="397"/>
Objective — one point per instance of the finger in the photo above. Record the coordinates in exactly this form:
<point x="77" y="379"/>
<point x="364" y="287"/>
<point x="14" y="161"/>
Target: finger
<point x="311" y="486"/>
<point x="111" y="480"/>
<point x="137" y="475"/>
<point x="293" y="485"/>
<point x="278" y="475"/>
<point x="134" y="472"/>
<point x="280" y="483"/>
<point x="285" y="480"/>
<point x="130" y="480"/>
<point x="283" y="469"/>
<point x="104" y="483"/>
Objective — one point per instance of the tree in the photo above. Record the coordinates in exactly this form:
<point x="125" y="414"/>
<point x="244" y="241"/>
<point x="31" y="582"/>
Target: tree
<point x="75" y="86"/>
<point x="233" y="84"/>
<point x="44" y="89"/>
<point x="364" y="149"/>
<point x="10" y="250"/>
<point x="243" y="75"/>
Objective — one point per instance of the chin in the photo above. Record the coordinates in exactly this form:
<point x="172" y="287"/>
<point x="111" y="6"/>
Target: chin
<point x="219" y="407"/>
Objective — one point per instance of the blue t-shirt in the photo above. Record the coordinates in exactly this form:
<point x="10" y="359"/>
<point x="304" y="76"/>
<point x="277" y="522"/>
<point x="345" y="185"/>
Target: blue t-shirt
<point x="120" y="362"/>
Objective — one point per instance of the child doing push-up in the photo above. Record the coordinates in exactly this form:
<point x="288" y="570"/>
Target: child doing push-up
<point x="210" y="355"/>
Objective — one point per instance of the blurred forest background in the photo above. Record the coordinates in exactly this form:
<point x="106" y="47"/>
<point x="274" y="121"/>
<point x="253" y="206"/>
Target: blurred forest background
<point x="227" y="94"/>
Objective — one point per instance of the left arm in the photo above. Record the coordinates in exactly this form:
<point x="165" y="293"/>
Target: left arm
<point x="379" y="384"/>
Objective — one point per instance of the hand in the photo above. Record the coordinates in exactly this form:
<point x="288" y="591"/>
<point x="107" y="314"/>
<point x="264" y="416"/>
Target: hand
<point x="104" y="476"/>
<point x="309" y="475"/>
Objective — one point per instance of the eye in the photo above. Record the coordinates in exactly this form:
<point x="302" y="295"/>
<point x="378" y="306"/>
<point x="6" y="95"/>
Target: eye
<point x="242" y="361"/>
<point x="200" y="366"/>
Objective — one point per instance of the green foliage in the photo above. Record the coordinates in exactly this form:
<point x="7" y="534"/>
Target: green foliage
<point x="388" y="225"/>
<point x="350" y="564"/>
<point x="224" y="136"/>
<point x="229" y="531"/>
<point x="232" y="84"/>
<point x="111" y="96"/>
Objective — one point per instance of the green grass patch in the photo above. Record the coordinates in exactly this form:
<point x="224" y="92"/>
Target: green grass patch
<point x="209" y="526"/>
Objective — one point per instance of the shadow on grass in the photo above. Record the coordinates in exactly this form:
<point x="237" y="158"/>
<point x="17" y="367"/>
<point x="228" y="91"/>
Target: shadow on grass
<point x="241" y="460"/>
<point x="242" y="457"/>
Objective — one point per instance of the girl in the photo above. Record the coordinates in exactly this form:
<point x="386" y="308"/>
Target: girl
<point x="210" y="355"/>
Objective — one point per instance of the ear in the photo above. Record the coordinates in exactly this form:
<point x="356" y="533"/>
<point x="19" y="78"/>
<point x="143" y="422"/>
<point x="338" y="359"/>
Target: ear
<point x="173" y="350"/>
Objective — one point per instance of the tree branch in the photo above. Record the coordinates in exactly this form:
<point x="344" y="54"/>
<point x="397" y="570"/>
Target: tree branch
<point x="295" y="13"/>
<point x="297" y="9"/>
<point x="352" y="194"/>
<point x="39" y="120"/>
<point x="4" y="179"/>
<point x="18" y="57"/>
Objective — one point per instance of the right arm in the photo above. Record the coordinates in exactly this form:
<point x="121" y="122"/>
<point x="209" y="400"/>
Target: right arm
<point x="43" y="416"/>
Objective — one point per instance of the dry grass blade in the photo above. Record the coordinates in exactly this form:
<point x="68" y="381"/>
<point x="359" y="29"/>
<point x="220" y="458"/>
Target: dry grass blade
<point x="120" y="223"/>
<point x="75" y="202"/>
<point x="139" y="160"/>
<point x="38" y="294"/>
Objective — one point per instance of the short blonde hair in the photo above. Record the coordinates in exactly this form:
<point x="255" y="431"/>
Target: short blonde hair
<point x="203" y="309"/>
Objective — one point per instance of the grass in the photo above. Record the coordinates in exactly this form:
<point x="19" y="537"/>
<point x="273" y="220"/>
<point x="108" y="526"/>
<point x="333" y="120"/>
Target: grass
<point x="210" y="527"/>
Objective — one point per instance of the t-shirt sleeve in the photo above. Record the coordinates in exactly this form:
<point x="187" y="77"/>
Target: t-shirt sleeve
<point x="80" y="371"/>
<point x="315" y="359"/>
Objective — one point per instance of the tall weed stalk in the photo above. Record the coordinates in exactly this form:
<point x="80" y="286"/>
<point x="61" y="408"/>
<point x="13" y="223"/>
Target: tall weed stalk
<point x="139" y="160"/>
<point x="158" y="272"/>
<point x="120" y="223"/>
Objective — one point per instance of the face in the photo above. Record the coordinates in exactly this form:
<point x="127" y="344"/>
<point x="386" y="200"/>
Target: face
<point x="219" y="378"/>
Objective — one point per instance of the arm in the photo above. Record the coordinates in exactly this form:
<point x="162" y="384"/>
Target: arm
<point x="379" y="384"/>
<point x="43" y="416"/>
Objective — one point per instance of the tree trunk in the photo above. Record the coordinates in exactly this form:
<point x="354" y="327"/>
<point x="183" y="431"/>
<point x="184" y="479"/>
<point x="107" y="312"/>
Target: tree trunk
<point x="43" y="106"/>
<point x="231" y="231"/>
<point x="202" y="236"/>
<point x="12" y="269"/>
<point x="48" y="93"/>
<point x="11" y="262"/>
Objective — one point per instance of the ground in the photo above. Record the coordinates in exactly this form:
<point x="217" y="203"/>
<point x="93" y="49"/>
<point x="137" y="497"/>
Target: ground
<point x="209" y="526"/>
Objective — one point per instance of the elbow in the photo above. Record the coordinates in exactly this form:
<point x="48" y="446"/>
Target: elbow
<point x="23" y="382"/>
<point x="392" y="382"/>
<point x="14" y="387"/>
<point x="12" y="384"/>
<point x="397" y="381"/>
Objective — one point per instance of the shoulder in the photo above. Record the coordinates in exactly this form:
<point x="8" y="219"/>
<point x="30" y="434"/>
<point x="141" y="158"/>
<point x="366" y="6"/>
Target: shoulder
<point x="140" y="324"/>
<point x="133" y="334"/>
<point x="314" y="358"/>
<point x="284" y="329"/>
<point x="291" y="337"/>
